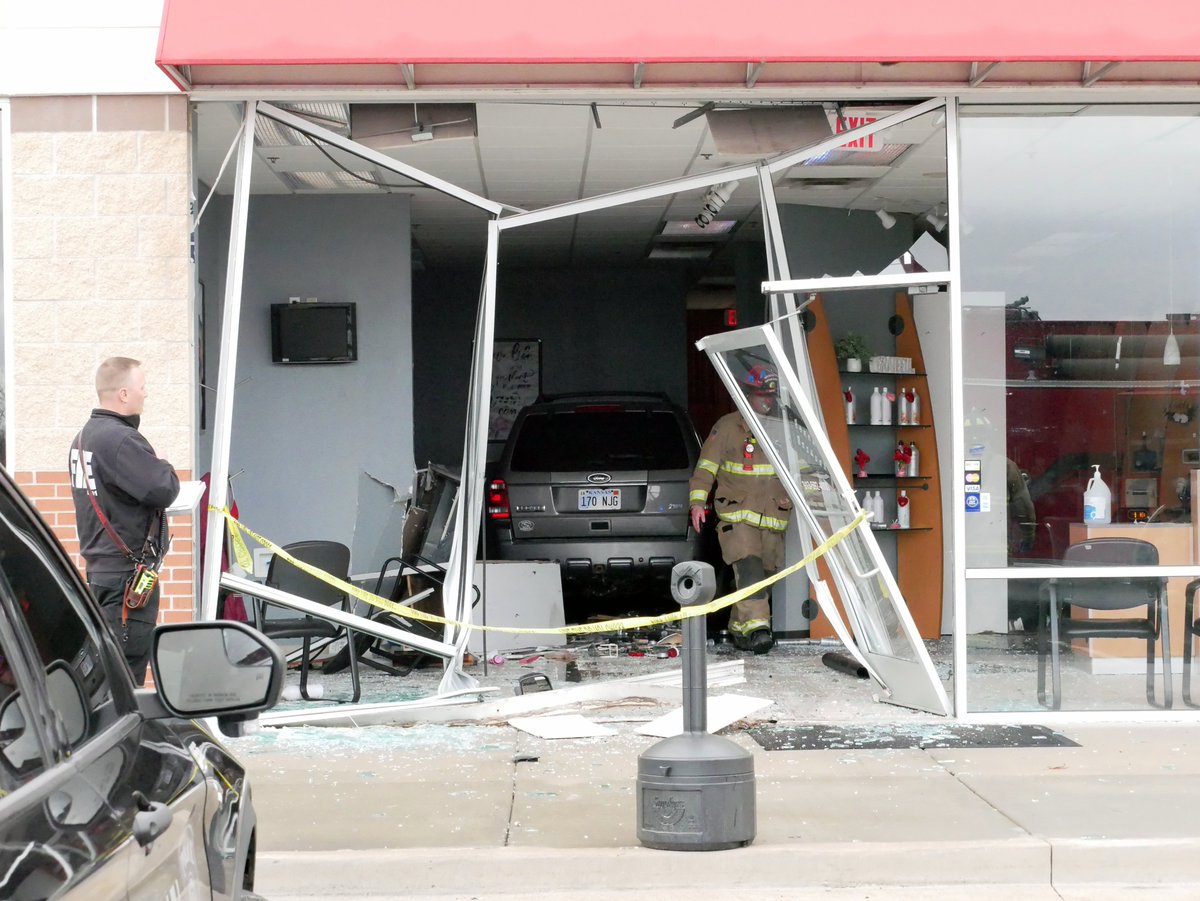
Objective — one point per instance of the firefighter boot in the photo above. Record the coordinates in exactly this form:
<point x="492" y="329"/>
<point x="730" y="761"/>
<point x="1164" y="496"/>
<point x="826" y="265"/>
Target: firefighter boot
<point x="761" y="641"/>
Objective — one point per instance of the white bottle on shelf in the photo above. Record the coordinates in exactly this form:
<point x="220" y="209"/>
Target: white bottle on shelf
<point x="914" y="408"/>
<point x="885" y="407"/>
<point x="902" y="406"/>
<point x="874" y="505"/>
<point x="903" y="510"/>
<point x="876" y="407"/>
<point x="851" y="411"/>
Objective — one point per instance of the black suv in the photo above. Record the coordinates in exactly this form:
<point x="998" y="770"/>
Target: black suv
<point x="107" y="791"/>
<point x="597" y="483"/>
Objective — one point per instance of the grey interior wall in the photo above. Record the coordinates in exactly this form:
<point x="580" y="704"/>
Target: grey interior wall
<point x="601" y="329"/>
<point x="323" y="450"/>
<point x="823" y="241"/>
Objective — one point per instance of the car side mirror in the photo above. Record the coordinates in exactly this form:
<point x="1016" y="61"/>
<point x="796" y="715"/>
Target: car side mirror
<point x="215" y="669"/>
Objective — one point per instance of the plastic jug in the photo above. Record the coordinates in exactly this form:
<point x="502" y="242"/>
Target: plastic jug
<point x="1097" y="501"/>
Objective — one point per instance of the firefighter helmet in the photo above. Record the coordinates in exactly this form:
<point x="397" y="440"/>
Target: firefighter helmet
<point x="761" y="380"/>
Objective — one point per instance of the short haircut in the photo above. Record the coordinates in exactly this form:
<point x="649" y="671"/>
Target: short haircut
<point x="113" y="374"/>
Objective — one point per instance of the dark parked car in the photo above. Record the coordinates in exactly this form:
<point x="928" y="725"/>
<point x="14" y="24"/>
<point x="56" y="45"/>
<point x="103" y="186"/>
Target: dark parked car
<point x="597" y="483"/>
<point x="107" y="791"/>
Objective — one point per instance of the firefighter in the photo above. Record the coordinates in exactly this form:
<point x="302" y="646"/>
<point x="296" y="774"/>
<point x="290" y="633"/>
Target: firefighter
<point x="752" y="508"/>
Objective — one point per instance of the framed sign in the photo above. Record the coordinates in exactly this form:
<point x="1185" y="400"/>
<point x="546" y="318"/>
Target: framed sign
<point x="516" y="382"/>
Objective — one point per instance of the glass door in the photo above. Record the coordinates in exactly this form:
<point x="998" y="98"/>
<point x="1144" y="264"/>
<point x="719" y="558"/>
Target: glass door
<point x="881" y="631"/>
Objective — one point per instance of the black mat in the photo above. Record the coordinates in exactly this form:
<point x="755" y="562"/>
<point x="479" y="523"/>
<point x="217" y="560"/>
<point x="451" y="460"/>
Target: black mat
<point x="890" y="735"/>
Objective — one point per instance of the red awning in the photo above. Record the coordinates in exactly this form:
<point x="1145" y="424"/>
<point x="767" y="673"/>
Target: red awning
<point x="368" y="41"/>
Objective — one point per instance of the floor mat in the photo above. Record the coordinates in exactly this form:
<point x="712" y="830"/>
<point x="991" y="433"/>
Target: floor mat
<point x="889" y="735"/>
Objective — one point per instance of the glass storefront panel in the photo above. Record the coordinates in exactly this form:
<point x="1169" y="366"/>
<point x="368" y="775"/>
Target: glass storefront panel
<point x="1081" y="340"/>
<point x="1094" y="674"/>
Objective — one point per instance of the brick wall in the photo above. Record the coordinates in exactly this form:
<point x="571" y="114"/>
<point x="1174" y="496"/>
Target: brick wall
<point x="101" y="267"/>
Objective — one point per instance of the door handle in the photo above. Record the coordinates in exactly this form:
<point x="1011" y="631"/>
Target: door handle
<point x="151" y="820"/>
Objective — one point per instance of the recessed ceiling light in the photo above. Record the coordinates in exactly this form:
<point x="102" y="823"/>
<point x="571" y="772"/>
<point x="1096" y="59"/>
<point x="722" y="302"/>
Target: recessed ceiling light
<point x="687" y="228"/>
<point x="679" y="252"/>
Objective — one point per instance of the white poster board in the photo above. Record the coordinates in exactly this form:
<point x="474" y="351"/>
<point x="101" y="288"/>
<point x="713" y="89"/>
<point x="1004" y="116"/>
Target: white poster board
<point x="516" y="382"/>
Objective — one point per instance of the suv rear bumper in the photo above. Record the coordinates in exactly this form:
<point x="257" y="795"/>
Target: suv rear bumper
<point x="595" y="564"/>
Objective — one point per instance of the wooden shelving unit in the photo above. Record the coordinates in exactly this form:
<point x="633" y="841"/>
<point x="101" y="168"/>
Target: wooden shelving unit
<point x="919" y="559"/>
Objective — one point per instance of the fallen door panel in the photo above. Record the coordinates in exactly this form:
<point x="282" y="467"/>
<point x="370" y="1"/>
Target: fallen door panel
<point x="794" y="440"/>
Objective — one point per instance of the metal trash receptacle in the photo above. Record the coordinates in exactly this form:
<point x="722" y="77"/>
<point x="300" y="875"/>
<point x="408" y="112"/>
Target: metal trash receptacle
<point x="695" y="791"/>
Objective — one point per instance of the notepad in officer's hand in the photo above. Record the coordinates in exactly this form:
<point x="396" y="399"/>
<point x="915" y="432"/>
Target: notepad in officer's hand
<point x="187" y="498"/>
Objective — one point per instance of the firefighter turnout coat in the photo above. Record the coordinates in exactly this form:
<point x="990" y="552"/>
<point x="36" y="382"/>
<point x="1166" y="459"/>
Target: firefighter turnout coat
<point x="751" y="504"/>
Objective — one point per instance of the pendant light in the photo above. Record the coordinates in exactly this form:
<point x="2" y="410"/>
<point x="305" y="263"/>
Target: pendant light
<point x="1171" y="348"/>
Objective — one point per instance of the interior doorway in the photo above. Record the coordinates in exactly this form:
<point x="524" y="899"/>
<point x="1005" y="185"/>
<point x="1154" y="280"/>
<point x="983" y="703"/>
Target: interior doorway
<point x="708" y="400"/>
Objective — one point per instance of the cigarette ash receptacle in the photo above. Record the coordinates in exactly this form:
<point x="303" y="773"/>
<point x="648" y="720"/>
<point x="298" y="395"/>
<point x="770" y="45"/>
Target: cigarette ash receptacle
<point x="695" y="791"/>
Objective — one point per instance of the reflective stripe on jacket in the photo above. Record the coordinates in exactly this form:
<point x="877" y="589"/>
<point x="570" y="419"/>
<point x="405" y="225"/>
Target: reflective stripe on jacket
<point x="745" y="487"/>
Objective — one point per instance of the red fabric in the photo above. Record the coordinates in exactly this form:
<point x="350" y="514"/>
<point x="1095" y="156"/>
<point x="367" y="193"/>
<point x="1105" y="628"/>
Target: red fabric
<point x="231" y="606"/>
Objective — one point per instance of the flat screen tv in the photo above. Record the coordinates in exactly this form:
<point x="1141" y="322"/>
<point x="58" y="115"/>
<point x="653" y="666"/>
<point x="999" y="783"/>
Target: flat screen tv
<point x="313" y="333"/>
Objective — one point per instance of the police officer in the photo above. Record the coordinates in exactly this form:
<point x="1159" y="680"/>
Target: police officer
<point x="752" y="508"/>
<point x="114" y="470"/>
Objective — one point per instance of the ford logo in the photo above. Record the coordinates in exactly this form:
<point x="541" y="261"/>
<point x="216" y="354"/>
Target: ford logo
<point x="599" y="478"/>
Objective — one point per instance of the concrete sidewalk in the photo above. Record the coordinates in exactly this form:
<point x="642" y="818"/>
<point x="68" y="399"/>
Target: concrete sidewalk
<point x="487" y="811"/>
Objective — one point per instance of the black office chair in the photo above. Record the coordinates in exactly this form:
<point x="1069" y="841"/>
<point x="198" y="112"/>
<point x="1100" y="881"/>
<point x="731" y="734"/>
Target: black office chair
<point x="1192" y="626"/>
<point x="416" y="579"/>
<point x="1112" y="593"/>
<point x="278" y="621"/>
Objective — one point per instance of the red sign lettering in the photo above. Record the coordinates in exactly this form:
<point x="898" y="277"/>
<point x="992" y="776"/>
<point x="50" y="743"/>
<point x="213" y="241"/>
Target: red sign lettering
<point x="847" y="123"/>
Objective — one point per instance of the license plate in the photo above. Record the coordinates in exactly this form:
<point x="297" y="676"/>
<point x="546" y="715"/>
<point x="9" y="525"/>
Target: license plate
<point x="599" y="498"/>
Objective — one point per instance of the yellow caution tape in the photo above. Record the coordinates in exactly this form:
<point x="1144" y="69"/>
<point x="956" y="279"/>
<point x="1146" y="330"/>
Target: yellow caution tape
<point x="242" y="553"/>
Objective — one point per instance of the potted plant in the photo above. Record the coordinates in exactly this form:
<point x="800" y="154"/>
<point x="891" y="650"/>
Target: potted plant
<point x="852" y="349"/>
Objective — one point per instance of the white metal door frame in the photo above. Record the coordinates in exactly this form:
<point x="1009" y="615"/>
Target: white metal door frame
<point x="457" y="591"/>
<point x="909" y="679"/>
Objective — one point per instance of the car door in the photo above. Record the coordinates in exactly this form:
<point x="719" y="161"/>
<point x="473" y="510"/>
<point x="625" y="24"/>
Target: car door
<point x="58" y="835"/>
<point x="102" y="776"/>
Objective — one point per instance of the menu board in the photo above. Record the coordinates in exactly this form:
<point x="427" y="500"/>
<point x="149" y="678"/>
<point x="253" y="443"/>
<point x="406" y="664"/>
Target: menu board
<point x="516" y="382"/>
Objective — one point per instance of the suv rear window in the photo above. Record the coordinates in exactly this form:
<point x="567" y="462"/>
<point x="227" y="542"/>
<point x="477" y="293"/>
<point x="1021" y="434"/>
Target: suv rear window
<point x="572" y="441"/>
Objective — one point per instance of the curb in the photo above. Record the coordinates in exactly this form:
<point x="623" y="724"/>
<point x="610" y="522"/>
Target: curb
<point x="1022" y="861"/>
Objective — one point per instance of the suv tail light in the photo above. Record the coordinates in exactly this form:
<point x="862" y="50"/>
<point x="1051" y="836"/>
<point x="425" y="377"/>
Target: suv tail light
<point x="600" y="408"/>
<point x="497" y="499"/>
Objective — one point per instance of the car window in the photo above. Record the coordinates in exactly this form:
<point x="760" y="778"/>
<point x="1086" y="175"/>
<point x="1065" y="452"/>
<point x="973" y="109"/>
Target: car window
<point x="64" y="636"/>
<point x="600" y="439"/>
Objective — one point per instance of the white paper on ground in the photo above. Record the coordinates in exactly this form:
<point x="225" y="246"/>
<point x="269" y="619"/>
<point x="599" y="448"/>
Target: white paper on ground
<point x="568" y="725"/>
<point x="722" y="710"/>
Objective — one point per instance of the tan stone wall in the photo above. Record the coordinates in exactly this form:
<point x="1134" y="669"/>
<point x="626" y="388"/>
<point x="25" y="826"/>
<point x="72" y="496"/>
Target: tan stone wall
<point x="101" y="232"/>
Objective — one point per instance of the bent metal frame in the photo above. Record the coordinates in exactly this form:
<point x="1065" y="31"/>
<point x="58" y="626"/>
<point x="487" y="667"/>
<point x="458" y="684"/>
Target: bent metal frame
<point x="783" y="308"/>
